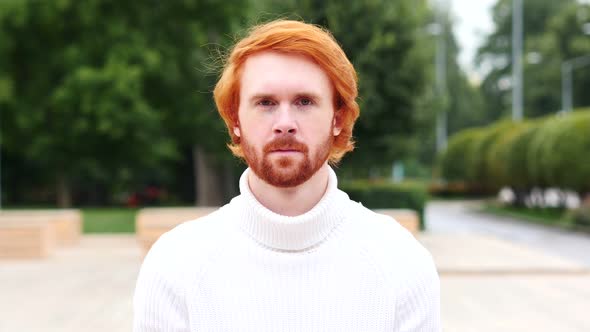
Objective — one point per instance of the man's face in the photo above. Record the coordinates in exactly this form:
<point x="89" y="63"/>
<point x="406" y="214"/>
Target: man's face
<point x="286" y="117"/>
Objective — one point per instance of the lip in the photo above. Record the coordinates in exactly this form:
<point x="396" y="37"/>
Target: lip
<point x="285" y="151"/>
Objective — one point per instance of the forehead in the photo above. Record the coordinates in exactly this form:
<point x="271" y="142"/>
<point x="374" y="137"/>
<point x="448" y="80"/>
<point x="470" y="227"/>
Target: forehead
<point x="278" y="73"/>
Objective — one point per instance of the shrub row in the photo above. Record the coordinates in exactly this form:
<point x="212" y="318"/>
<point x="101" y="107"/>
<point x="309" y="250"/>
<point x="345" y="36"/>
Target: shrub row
<point x="548" y="152"/>
<point x="387" y="195"/>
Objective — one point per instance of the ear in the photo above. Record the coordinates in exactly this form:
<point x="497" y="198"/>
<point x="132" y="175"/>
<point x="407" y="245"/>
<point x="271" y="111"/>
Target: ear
<point x="336" y="129"/>
<point x="237" y="131"/>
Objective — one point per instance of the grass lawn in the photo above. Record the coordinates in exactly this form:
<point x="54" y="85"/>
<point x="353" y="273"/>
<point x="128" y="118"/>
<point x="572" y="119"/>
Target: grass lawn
<point x="108" y="220"/>
<point x="453" y="198"/>
<point x="546" y="216"/>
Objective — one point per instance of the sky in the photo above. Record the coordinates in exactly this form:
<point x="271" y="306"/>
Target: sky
<point x="473" y="21"/>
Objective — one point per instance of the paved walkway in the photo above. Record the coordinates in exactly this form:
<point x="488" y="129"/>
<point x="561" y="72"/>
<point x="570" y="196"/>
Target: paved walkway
<point x="85" y="288"/>
<point x="496" y="275"/>
<point x="500" y="274"/>
<point x="463" y="218"/>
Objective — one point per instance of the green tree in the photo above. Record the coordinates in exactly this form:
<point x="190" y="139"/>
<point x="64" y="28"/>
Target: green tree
<point x="464" y="104"/>
<point x="553" y="33"/>
<point x="564" y="40"/>
<point x="104" y="89"/>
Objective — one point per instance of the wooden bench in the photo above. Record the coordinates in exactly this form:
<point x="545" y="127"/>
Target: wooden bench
<point x="409" y="219"/>
<point x="67" y="222"/>
<point x="26" y="237"/>
<point x="150" y="223"/>
<point x="35" y="233"/>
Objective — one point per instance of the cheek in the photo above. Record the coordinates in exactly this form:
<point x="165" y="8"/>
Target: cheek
<point x="319" y="128"/>
<point x="253" y="132"/>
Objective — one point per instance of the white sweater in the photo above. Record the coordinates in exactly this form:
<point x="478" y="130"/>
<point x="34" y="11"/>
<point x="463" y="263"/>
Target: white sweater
<point x="338" y="267"/>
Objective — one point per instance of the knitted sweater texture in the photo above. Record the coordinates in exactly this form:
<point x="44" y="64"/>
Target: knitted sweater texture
<point x="338" y="267"/>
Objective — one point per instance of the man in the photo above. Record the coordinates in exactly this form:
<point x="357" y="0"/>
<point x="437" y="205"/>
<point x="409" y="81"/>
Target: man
<point x="291" y="252"/>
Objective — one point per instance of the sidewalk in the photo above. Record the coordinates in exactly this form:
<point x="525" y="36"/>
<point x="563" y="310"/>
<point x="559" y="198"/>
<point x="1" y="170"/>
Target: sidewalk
<point x="88" y="287"/>
<point x="457" y="217"/>
<point x="499" y="274"/>
<point x="487" y="284"/>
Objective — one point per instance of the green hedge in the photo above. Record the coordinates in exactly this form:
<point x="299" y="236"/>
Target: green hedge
<point x="480" y="170"/>
<point x="567" y="153"/>
<point x="453" y="164"/>
<point x="387" y="195"/>
<point x="517" y="174"/>
<point x="499" y="154"/>
<point x="549" y="152"/>
<point x="539" y="150"/>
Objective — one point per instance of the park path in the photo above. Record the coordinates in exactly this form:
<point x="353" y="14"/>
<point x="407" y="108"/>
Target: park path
<point x="84" y="288"/>
<point x="497" y="274"/>
<point x="502" y="274"/>
<point x="463" y="218"/>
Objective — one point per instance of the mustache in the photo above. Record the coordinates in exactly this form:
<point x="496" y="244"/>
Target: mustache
<point x="285" y="143"/>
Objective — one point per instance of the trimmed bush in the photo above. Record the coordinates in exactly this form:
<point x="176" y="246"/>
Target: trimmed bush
<point x="539" y="151"/>
<point x="479" y="172"/>
<point x="387" y="195"/>
<point x="567" y="153"/>
<point x="453" y="166"/>
<point x="549" y="152"/>
<point x="499" y="154"/>
<point x="517" y="170"/>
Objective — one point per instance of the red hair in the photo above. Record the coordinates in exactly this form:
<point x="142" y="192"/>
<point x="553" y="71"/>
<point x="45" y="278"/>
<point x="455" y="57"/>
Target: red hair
<point x="292" y="37"/>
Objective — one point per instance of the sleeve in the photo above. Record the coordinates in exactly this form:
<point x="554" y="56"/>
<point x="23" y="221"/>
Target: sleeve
<point x="159" y="302"/>
<point x="418" y="307"/>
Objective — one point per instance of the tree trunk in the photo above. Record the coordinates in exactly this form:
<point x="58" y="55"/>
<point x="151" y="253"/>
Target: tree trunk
<point x="520" y="196"/>
<point x="64" y="195"/>
<point x="207" y="185"/>
<point x="230" y="183"/>
<point x="563" y="195"/>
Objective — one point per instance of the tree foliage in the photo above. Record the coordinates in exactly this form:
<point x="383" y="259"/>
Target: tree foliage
<point x="553" y="33"/>
<point x="462" y="99"/>
<point x="107" y="93"/>
<point x="103" y="89"/>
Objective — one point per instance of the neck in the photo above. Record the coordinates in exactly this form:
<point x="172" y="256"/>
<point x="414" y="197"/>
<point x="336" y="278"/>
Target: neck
<point x="292" y="201"/>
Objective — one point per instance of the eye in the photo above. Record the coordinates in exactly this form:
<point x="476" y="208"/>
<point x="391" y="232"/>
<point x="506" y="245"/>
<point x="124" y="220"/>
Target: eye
<point x="305" y="101"/>
<point x="265" y="102"/>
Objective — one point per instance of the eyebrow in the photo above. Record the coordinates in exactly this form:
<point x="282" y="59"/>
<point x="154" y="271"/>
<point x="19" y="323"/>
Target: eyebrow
<point x="311" y="95"/>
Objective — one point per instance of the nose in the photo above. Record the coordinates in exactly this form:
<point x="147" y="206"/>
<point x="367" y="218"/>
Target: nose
<point x="285" y="123"/>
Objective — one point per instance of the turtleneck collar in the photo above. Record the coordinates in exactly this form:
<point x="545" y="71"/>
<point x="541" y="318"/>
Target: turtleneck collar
<point x="291" y="233"/>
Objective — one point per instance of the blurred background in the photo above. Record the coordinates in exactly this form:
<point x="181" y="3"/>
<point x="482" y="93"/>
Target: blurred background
<point x="477" y="106"/>
<point x="107" y="104"/>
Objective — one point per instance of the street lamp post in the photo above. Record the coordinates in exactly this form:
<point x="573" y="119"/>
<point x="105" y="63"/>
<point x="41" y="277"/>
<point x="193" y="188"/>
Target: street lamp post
<point x="567" y="68"/>
<point x="441" y="87"/>
<point x="517" y="35"/>
<point x="438" y="29"/>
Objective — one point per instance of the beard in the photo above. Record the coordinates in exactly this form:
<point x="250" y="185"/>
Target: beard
<point x="286" y="171"/>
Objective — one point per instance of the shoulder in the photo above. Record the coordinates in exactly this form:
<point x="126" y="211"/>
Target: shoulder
<point x="404" y="263"/>
<point x="192" y="241"/>
<point x="389" y="244"/>
<point x="172" y="265"/>
<point x="380" y="229"/>
<point x="197" y="232"/>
